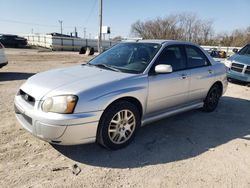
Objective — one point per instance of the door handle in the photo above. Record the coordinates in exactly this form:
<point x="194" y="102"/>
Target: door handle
<point x="210" y="71"/>
<point x="183" y="76"/>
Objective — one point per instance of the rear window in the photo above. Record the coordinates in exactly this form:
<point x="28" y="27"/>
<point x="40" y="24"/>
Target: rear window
<point x="195" y="57"/>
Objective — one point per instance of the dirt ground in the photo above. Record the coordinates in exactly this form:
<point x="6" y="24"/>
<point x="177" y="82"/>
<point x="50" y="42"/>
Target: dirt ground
<point x="194" y="149"/>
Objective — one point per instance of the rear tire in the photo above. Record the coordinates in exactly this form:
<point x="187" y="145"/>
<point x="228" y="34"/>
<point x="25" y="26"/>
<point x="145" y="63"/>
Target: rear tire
<point x="212" y="99"/>
<point x="89" y="51"/>
<point x="82" y="50"/>
<point x="118" y="125"/>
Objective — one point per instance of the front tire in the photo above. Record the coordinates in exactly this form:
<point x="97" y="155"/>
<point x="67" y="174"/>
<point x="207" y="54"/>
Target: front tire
<point x="212" y="99"/>
<point x="118" y="125"/>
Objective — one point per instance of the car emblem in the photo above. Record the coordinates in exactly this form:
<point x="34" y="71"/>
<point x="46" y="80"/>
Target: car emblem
<point x="26" y="97"/>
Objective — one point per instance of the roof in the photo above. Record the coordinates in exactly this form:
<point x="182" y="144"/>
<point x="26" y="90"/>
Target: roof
<point x="165" y="41"/>
<point x="8" y="35"/>
<point x="153" y="41"/>
<point x="161" y="42"/>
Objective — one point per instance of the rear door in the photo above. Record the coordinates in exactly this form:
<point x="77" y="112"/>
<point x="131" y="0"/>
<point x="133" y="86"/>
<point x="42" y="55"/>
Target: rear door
<point x="171" y="89"/>
<point x="201" y="73"/>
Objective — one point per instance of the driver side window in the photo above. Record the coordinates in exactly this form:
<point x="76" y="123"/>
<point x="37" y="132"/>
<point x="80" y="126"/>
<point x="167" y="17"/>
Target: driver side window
<point x="173" y="56"/>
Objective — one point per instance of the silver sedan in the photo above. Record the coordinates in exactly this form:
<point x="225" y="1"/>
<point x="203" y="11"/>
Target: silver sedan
<point x="108" y="99"/>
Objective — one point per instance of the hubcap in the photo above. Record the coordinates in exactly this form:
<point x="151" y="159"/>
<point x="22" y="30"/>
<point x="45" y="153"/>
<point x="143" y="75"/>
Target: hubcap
<point x="121" y="126"/>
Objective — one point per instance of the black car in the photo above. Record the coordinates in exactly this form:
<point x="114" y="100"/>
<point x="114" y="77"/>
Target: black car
<point x="13" y="41"/>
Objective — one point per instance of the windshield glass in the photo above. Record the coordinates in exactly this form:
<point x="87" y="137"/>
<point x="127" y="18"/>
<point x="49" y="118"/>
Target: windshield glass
<point x="245" y="50"/>
<point x="127" y="57"/>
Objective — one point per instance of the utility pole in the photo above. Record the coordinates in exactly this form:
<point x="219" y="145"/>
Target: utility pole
<point x="84" y="32"/>
<point x="100" y="28"/>
<point x="60" y="21"/>
<point x="76" y="33"/>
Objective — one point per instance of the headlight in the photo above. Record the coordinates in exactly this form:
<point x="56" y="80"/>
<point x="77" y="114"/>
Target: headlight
<point x="228" y="63"/>
<point x="60" y="104"/>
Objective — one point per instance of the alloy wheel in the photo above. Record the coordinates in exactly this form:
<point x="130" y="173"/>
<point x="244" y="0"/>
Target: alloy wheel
<point x="121" y="126"/>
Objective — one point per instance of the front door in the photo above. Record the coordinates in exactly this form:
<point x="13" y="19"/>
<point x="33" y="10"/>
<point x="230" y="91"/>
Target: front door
<point x="170" y="89"/>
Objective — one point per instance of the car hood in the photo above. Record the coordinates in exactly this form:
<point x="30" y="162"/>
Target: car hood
<point x="86" y="77"/>
<point x="240" y="59"/>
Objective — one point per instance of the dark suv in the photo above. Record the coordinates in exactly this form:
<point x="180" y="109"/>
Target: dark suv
<point x="13" y="41"/>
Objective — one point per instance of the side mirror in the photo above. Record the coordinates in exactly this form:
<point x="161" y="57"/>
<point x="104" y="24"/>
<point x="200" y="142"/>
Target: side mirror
<point x="161" y="69"/>
<point x="235" y="50"/>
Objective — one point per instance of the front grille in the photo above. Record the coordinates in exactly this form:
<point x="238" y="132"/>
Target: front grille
<point x="237" y="67"/>
<point x="27" y="118"/>
<point x="247" y="70"/>
<point x="28" y="98"/>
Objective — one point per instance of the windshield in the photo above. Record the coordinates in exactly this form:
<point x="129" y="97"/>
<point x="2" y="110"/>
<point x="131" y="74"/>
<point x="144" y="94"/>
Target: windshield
<point x="245" y="50"/>
<point x="127" y="57"/>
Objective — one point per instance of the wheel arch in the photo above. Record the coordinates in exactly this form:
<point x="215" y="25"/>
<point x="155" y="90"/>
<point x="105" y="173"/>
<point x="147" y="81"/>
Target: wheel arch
<point x="130" y="99"/>
<point x="219" y="83"/>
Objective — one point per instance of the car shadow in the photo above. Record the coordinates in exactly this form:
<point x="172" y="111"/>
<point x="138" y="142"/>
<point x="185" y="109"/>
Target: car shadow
<point x="10" y="76"/>
<point x="238" y="82"/>
<point x="173" y="139"/>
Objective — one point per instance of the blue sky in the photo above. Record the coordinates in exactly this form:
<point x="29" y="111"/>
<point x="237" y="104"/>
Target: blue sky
<point x="21" y="16"/>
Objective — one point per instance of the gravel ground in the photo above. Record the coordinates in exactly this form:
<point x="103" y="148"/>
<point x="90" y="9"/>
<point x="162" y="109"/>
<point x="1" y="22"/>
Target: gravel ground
<point x="194" y="149"/>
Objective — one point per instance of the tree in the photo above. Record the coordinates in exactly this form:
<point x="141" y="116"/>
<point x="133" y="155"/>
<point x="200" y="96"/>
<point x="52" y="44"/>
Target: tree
<point x="185" y="26"/>
<point x="189" y="27"/>
<point x="236" y="38"/>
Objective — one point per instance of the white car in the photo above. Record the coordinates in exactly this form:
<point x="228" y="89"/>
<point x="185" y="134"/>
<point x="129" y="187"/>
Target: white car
<point x="3" y="59"/>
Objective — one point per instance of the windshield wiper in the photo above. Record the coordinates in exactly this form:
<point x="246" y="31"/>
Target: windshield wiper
<point x="107" y="67"/>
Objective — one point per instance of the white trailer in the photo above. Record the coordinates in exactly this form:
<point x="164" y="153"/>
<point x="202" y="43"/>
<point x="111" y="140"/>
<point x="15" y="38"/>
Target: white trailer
<point x="63" y="43"/>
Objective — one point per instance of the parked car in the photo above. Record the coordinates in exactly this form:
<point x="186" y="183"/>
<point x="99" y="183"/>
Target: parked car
<point x="13" y="41"/>
<point x="108" y="99"/>
<point x="3" y="59"/>
<point x="212" y="49"/>
<point x="239" y="65"/>
<point x="218" y="54"/>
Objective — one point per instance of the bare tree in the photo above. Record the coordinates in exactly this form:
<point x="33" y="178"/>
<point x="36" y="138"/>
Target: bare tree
<point x="156" y="29"/>
<point x="207" y="31"/>
<point x="185" y="26"/>
<point x="235" y="38"/>
<point x="189" y="27"/>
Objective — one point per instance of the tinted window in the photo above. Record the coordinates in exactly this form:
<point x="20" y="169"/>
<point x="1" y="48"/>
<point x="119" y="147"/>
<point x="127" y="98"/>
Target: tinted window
<point x="172" y="56"/>
<point x="195" y="57"/>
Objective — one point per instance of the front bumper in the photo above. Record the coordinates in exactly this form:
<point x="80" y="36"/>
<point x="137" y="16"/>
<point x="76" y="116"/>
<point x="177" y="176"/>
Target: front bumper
<point x="238" y="76"/>
<point x="63" y="129"/>
<point x="3" y="64"/>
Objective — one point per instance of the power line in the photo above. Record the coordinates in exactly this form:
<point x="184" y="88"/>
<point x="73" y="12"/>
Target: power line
<point x="36" y="24"/>
<point x="90" y="13"/>
<point x="26" y="23"/>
